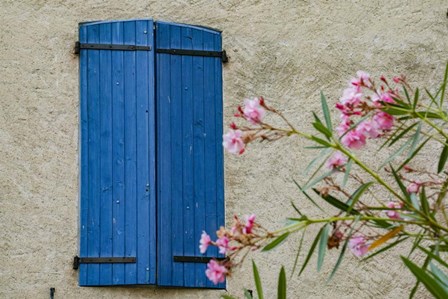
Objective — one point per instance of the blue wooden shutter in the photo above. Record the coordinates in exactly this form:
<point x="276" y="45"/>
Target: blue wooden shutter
<point x="189" y="151"/>
<point x="117" y="130"/>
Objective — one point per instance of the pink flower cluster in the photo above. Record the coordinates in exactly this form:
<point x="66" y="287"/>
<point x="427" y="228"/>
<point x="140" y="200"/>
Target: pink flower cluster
<point x="254" y="111"/>
<point x="228" y="242"/>
<point x="336" y="161"/>
<point x="358" y="245"/>
<point x="355" y="103"/>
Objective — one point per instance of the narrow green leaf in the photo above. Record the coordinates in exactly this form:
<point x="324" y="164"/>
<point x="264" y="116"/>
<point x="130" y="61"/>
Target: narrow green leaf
<point x="394" y="140"/>
<point x="439" y="274"/>
<point x="434" y="256"/>
<point x="257" y="281"/>
<point x="276" y="242"/>
<point x="322" y="154"/>
<point x="415" y="288"/>
<point x="400" y="184"/>
<point x="321" y="128"/>
<point x="415" y="152"/>
<point x="321" y="141"/>
<point x="416" y="242"/>
<point x="322" y="247"/>
<point x="398" y="152"/>
<point x="415" y="139"/>
<point x="317" y="180"/>
<point x="430" y="283"/>
<point x="225" y="296"/>
<point x="414" y="201"/>
<point x="326" y="111"/>
<point x="281" y="290"/>
<point x="354" y="198"/>
<point x="424" y="203"/>
<point x="311" y="251"/>
<point x="416" y="98"/>
<point x="348" y="167"/>
<point x="247" y="294"/>
<point x="296" y="209"/>
<point x="396" y="110"/>
<point x="398" y="241"/>
<point x="443" y="157"/>
<point x="307" y="196"/>
<point x="298" y="252"/>
<point x="445" y="82"/>
<point x="336" y="203"/>
<point x="408" y="98"/>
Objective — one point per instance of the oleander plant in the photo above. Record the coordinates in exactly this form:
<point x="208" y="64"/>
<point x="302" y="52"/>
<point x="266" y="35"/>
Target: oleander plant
<point x="379" y="205"/>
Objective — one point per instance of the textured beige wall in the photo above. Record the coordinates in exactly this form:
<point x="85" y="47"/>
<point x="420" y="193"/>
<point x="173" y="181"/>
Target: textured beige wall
<point x="285" y="50"/>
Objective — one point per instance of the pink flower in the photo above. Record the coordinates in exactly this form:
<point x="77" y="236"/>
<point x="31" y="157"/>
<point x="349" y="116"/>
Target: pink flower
<point x="344" y="125"/>
<point x="233" y="142"/>
<point x="336" y="160"/>
<point x="223" y="244"/>
<point x="358" y="245"/>
<point x="391" y="213"/>
<point x="253" y="111"/>
<point x="383" y="120"/>
<point x="413" y="187"/>
<point x="215" y="272"/>
<point x="368" y="129"/>
<point x="363" y="79"/>
<point x="204" y="242"/>
<point x="351" y="96"/>
<point x="354" y="140"/>
<point x="249" y="224"/>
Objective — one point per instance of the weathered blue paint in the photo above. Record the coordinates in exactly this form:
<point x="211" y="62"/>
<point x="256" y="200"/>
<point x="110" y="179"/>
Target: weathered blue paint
<point x="118" y="214"/>
<point x="188" y="131"/>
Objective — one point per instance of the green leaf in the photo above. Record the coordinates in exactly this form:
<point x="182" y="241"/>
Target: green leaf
<point x="281" y="290"/>
<point x="415" y="139"/>
<point x="298" y="252"/>
<point x="257" y="281"/>
<point x="416" y="98"/>
<point x="321" y="141"/>
<point x="276" y="242"/>
<point x="336" y="203"/>
<point x="225" y="296"/>
<point x="412" y="155"/>
<point x="394" y="140"/>
<point x="311" y="251"/>
<point x="354" y="198"/>
<point x="247" y="294"/>
<point x="396" y="110"/>
<point x="326" y="111"/>
<point x="348" y="167"/>
<point x="322" y="154"/>
<point x="430" y="283"/>
<point x="416" y="242"/>
<point x="425" y="204"/>
<point x="443" y="157"/>
<point x="445" y="82"/>
<point x="321" y="128"/>
<point x="434" y="256"/>
<point x="307" y="196"/>
<point x="317" y="180"/>
<point x="295" y="208"/>
<point x="414" y="289"/>
<point x="322" y="247"/>
<point x="400" y="184"/>
<point x="439" y="275"/>
<point x="398" y="152"/>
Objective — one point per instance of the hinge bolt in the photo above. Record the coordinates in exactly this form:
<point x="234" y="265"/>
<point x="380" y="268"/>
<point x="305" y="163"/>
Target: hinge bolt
<point x="145" y="32"/>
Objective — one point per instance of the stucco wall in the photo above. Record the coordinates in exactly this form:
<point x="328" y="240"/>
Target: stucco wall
<point x="285" y="50"/>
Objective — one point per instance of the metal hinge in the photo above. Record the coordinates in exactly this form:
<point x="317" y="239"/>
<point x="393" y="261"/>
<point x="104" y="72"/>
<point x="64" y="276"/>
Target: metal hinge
<point x="196" y="259"/>
<point x="79" y="46"/>
<point x="102" y="260"/>
<point x="220" y="54"/>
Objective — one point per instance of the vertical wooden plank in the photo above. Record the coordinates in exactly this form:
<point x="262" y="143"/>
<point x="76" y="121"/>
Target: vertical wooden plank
<point x="130" y="152"/>
<point x="152" y="154"/>
<point x="164" y="157"/>
<point x="210" y="141"/>
<point x="118" y="152"/>
<point x="187" y="155"/>
<point x="198" y="150"/>
<point x="177" y="211"/>
<point x="84" y="154"/>
<point x="144" y="183"/>
<point x="218" y="100"/>
<point x="105" y="109"/>
<point x="93" y="237"/>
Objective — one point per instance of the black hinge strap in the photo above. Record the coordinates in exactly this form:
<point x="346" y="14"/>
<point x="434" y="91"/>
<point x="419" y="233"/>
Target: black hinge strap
<point x="102" y="260"/>
<point x="79" y="46"/>
<point x="196" y="259"/>
<point x="220" y="54"/>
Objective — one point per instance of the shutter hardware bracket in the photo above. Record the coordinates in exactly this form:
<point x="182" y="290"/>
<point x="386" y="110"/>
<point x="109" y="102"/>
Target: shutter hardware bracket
<point x="196" y="259"/>
<point x="79" y="46"/>
<point x="101" y="260"/>
<point x="221" y="54"/>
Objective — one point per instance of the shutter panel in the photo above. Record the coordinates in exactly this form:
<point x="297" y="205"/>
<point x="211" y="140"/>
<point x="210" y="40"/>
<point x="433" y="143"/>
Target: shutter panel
<point x="189" y="155"/>
<point x="117" y="199"/>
